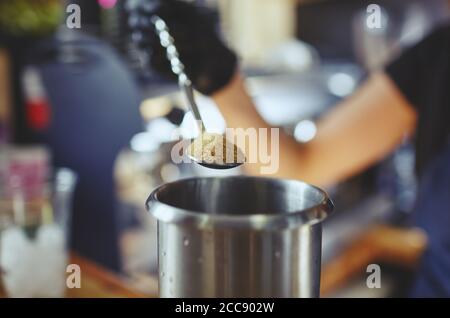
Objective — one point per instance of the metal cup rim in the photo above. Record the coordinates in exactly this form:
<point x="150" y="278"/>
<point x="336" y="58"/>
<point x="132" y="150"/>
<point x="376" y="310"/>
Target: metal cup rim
<point x="172" y="214"/>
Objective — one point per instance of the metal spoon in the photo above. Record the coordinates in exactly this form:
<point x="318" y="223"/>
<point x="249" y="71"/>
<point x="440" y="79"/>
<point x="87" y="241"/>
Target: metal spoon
<point x="185" y="85"/>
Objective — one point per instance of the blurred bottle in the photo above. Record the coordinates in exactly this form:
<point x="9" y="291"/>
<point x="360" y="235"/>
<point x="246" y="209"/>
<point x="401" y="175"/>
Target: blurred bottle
<point x="5" y="98"/>
<point x="35" y="214"/>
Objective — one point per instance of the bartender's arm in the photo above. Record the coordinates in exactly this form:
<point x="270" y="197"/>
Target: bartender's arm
<point x="355" y="134"/>
<point x="360" y="131"/>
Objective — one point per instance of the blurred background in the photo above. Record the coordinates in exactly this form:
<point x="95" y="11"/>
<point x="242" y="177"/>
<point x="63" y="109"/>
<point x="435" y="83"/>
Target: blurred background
<point x="86" y="129"/>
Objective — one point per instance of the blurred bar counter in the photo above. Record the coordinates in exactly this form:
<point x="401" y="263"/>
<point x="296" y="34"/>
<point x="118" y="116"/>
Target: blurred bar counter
<point x="97" y="282"/>
<point x="381" y="243"/>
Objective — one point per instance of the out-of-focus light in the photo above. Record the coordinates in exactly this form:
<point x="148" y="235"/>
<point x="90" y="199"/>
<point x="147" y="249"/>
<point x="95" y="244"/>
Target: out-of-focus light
<point x="155" y="107"/>
<point x="143" y="142"/>
<point x="305" y="131"/>
<point x="107" y="4"/>
<point x="170" y="172"/>
<point x="161" y="130"/>
<point x="341" y="84"/>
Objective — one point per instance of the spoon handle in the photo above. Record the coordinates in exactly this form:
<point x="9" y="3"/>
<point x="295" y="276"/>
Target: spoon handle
<point x="186" y="86"/>
<point x="177" y="66"/>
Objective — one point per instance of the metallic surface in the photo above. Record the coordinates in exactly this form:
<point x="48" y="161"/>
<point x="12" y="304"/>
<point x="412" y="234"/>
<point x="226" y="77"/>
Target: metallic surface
<point x="167" y="41"/>
<point x="239" y="237"/>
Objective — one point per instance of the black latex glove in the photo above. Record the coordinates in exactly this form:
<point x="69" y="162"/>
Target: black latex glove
<point x="208" y="63"/>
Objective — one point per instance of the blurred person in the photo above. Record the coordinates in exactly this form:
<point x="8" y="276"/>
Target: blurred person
<point x="88" y="114"/>
<point x="409" y="99"/>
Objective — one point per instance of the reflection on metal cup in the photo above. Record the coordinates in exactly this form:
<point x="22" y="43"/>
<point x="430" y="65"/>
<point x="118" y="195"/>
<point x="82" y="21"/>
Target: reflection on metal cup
<point x="239" y="237"/>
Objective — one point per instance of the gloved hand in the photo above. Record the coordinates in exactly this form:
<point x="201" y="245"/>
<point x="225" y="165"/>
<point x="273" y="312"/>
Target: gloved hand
<point x="208" y="62"/>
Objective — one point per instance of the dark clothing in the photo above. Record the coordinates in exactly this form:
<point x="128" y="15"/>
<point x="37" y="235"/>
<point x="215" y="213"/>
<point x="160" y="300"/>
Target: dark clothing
<point x="432" y="214"/>
<point x="422" y="74"/>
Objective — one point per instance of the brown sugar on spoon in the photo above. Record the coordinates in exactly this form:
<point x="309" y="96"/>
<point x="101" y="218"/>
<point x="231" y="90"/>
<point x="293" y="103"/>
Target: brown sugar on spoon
<point x="213" y="148"/>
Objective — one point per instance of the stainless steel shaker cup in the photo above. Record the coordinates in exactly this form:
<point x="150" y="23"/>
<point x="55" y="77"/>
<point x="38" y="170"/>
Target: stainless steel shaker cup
<point x="239" y="237"/>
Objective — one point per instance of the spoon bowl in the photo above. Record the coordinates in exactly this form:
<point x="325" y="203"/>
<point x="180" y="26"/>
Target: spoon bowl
<point x="223" y="166"/>
<point x="218" y="166"/>
<point x="212" y="143"/>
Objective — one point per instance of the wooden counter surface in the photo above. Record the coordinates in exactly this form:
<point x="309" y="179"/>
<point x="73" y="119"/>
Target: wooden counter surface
<point x="381" y="243"/>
